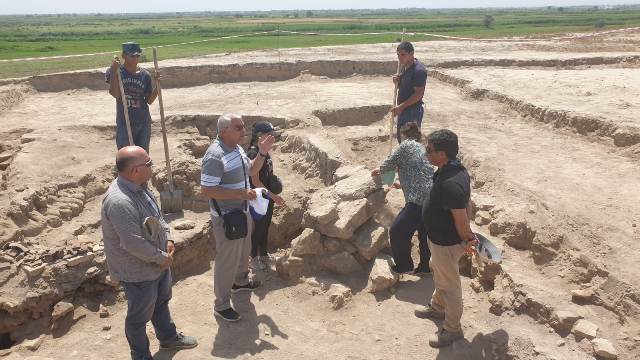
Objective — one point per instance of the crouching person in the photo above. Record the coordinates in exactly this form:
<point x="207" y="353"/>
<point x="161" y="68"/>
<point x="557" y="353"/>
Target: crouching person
<point x="447" y="223"/>
<point x="139" y="252"/>
<point x="225" y="182"/>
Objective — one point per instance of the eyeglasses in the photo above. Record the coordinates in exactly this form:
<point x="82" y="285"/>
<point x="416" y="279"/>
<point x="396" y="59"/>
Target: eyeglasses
<point x="238" y="127"/>
<point x="147" y="164"/>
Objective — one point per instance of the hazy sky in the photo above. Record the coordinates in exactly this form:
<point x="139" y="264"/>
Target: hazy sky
<point x="128" y="6"/>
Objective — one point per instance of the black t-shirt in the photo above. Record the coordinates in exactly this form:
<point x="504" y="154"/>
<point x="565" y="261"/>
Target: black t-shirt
<point x="265" y="171"/>
<point x="451" y="190"/>
<point x="411" y="78"/>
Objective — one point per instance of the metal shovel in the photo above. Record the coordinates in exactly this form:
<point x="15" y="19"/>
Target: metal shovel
<point x="170" y="201"/>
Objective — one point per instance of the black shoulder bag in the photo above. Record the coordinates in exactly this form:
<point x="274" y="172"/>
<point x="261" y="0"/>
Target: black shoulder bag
<point x="235" y="222"/>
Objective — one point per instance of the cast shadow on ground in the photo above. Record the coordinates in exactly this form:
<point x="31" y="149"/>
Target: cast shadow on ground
<point x="491" y="346"/>
<point x="244" y="337"/>
<point x="415" y="290"/>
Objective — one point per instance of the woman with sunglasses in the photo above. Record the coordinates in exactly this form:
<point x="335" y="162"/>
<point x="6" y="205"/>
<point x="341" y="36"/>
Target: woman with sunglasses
<point x="267" y="180"/>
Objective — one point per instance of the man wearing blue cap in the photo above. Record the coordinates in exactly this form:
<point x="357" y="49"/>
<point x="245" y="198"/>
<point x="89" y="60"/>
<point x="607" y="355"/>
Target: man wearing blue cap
<point x="139" y="91"/>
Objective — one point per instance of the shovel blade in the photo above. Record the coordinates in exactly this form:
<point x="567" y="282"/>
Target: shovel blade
<point x="171" y="201"/>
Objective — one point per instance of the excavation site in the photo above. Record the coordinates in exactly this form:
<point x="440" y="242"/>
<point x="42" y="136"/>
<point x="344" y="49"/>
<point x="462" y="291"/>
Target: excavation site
<point x="548" y="131"/>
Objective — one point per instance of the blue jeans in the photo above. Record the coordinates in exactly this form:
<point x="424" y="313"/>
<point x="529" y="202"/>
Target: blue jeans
<point x="408" y="221"/>
<point x="148" y="300"/>
<point x="412" y="114"/>
<point x="140" y="131"/>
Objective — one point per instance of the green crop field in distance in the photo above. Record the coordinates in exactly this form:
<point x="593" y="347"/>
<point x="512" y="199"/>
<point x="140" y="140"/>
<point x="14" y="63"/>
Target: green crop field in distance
<point x="51" y="35"/>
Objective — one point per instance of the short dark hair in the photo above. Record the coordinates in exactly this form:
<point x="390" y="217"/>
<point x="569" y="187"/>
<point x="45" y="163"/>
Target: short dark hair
<point x="444" y="140"/>
<point x="123" y="163"/>
<point x="411" y="131"/>
<point x="406" y="47"/>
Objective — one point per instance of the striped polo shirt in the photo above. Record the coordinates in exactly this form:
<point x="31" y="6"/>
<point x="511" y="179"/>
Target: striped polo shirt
<point x="222" y="166"/>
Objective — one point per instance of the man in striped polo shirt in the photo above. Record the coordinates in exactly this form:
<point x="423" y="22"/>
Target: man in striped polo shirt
<point x="225" y="182"/>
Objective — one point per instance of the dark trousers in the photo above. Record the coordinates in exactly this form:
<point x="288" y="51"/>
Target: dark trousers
<point x="408" y="221"/>
<point x="412" y="114"/>
<point x="260" y="233"/>
<point x="148" y="301"/>
<point x="140" y="131"/>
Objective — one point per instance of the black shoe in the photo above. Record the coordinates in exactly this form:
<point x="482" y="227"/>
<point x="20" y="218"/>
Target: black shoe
<point x="422" y="270"/>
<point x="251" y="285"/>
<point x="229" y="315"/>
<point x="395" y="269"/>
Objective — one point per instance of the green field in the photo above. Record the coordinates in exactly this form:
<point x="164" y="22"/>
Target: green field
<point x="50" y="35"/>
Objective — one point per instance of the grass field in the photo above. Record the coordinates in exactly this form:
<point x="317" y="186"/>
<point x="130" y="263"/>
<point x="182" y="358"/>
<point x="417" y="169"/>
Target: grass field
<point x="50" y="35"/>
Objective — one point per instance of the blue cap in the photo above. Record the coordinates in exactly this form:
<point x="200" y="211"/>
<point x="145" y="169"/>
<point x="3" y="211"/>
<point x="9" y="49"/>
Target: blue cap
<point x="131" y="48"/>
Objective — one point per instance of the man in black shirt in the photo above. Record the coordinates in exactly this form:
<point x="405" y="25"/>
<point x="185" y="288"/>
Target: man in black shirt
<point x="446" y="218"/>
<point x="411" y="84"/>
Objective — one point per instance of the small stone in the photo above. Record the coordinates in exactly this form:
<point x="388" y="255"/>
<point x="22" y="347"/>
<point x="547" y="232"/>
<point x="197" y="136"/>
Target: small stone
<point x="103" y="312"/>
<point x="604" y="349"/>
<point x="585" y="329"/>
<point x="313" y="282"/>
<point x="91" y="272"/>
<point x="61" y="309"/>
<point x="560" y="343"/>
<point x="565" y="319"/>
<point x="184" y="225"/>
<point x="308" y="243"/>
<point x="582" y="294"/>
<point x="75" y="261"/>
<point x="34" y="344"/>
<point x="109" y="281"/>
<point x="381" y="276"/>
<point x="483" y="218"/>
<point x="339" y="295"/>
<point x="34" y="271"/>
<point x="106" y="327"/>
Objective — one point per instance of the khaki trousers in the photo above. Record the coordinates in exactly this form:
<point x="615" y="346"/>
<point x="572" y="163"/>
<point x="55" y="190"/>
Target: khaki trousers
<point x="231" y="264"/>
<point x="447" y="296"/>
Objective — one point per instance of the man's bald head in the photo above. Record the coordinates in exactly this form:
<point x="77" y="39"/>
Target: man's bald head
<point x="129" y="155"/>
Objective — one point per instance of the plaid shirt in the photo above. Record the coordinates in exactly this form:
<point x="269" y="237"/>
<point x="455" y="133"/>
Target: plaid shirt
<point x="132" y="256"/>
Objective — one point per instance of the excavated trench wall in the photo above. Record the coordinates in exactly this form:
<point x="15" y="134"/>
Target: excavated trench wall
<point x="181" y="77"/>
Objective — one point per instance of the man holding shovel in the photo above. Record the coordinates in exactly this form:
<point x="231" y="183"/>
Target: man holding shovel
<point x="139" y="92"/>
<point x="411" y="83"/>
